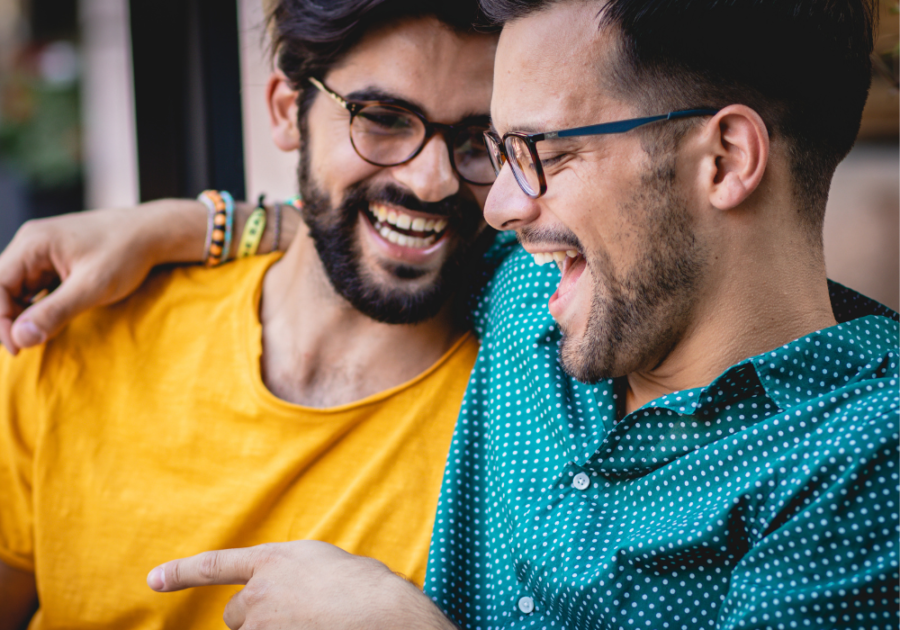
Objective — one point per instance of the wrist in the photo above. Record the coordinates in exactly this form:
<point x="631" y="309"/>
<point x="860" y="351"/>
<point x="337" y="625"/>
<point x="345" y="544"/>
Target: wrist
<point x="174" y="230"/>
<point x="405" y="606"/>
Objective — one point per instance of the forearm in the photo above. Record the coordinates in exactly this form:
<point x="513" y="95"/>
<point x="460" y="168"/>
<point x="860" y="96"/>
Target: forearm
<point x="176" y="229"/>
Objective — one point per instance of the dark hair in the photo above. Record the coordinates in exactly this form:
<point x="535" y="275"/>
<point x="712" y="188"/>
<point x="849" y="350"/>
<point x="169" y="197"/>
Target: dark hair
<point x="803" y="65"/>
<point x="309" y="37"/>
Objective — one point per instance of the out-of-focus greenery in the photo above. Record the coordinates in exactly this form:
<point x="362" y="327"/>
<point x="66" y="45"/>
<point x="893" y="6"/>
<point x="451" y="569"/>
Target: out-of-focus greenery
<point x="40" y="129"/>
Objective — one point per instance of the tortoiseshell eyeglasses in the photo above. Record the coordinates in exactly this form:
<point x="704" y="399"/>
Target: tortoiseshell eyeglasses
<point x="385" y="134"/>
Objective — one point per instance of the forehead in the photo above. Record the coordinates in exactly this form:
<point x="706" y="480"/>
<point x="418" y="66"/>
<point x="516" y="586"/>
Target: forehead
<point x="449" y="74"/>
<point x="551" y="68"/>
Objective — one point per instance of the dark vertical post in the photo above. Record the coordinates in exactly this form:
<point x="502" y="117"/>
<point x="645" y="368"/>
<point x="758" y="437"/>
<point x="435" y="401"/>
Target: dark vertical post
<point x="187" y="97"/>
<point x="221" y="65"/>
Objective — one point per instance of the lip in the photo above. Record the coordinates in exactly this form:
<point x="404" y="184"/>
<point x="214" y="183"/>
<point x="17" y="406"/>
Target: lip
<point x="410" y="255"/>
<point x="561" y="300"/>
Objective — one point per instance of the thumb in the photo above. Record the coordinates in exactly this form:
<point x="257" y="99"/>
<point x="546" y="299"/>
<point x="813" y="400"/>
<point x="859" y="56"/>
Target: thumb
<point x="45" y="318"/>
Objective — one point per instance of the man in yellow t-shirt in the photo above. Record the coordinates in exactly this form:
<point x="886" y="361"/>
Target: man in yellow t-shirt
<point x="311" y="396"/>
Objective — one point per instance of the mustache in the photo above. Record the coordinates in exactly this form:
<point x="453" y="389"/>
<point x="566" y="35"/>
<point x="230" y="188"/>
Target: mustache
<point x="536" y="236"/>
<point x="452" y="207"/>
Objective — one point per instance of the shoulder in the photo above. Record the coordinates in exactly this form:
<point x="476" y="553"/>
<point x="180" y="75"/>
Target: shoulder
<point x="517" y="293"/>
<point x="173" y="310"/>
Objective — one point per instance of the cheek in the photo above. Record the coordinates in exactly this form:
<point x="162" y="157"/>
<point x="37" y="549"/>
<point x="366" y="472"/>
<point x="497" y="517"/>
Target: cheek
<point x="334" y="164"/>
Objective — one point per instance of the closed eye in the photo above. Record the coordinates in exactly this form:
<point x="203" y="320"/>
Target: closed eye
<point x="552" y="161"/>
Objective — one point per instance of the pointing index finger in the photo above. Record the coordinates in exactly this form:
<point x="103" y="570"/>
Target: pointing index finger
<point x="226" y="566"/>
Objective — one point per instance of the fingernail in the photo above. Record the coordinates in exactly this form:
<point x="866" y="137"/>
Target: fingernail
<point x="27" y="334"/>
<point x="156" y="579"/>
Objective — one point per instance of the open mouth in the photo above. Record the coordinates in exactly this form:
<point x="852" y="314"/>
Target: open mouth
<point x="404" y="229"/>
<point x="571" y="264"/>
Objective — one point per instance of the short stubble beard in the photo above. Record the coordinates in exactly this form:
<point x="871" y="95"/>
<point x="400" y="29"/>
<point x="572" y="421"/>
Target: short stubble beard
<point x="636" y="320"/>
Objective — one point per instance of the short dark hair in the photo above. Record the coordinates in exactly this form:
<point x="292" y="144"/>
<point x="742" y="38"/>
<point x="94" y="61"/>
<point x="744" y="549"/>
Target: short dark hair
<point x="309" y="37"/>
<point x="803" y="65"/>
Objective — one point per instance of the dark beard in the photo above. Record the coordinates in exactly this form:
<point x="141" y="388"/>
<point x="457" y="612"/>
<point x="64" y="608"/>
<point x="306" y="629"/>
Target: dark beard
<point x="637" y="320"/>
<point x="334" y="233"/>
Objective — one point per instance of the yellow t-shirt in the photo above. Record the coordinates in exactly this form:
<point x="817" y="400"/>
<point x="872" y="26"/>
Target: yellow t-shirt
<point x="144" y="433"/>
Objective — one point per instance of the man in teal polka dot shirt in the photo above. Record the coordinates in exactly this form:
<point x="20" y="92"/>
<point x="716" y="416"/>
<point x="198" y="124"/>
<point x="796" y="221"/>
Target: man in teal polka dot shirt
<point x="702" y="431"/>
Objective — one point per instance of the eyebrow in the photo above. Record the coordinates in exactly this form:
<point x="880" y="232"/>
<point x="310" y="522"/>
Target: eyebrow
<point x="375" y="94"/>
<point x="529" y="129"/>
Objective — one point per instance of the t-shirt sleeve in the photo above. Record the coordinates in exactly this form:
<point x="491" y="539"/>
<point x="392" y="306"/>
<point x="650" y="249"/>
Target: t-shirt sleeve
<point x="831" y="561"/>
<point x="19" y="421"/>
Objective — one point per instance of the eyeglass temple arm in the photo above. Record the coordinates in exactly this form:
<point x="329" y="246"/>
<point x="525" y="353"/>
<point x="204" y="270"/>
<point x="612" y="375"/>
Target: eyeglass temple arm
<point x="337" y="98"/>
<point x="625" y="125"/>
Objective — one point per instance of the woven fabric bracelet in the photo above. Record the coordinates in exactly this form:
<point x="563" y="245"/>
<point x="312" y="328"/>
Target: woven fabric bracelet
<point x="215" y="251"/>
<point x="253" y="230"/>
<point x="276" y="235"/>
<point x="229" y="224"/>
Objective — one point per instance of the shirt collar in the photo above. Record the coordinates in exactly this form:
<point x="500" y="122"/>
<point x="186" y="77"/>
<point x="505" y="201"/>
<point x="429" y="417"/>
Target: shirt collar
<point x="863" y="344"/>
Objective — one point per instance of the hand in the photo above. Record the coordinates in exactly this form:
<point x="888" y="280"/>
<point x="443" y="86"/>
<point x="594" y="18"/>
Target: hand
<point x="303" y="584"/>
<point x="99" y="257"/>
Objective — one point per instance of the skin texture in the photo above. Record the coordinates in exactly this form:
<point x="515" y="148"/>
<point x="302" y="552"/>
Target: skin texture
<point x="758" y="279"/>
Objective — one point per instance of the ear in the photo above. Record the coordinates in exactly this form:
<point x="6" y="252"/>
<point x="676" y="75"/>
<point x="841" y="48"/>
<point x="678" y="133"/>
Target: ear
<point x="737" y="143"/>
<point x="282" y="100"/>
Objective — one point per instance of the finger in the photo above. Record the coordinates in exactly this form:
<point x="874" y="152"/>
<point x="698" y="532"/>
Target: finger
<point x="235" y="611"/>
<point x="8" y="312"/>
<point x="45" y="318"/>
<point x="228" y="566"/>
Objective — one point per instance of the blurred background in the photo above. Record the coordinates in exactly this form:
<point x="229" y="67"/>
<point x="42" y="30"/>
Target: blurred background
<point x="107" y="103"/>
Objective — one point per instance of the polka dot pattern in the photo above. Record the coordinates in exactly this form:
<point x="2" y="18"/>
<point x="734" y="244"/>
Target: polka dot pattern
<point x="767" y="499"/>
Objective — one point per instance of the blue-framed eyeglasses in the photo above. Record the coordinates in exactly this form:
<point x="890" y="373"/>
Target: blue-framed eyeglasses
<point x="520" y="149"/>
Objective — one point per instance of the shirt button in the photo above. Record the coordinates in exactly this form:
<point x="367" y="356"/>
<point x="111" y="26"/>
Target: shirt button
<point x="581" y="481"/>
<point x="526" y="605"/>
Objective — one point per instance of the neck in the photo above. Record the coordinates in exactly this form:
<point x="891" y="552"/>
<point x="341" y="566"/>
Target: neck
<point x="319" y="351"/>
<point x="769" y="295"/>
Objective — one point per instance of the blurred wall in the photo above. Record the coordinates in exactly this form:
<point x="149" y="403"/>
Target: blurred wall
<point x="862" y="223"/>
<point x="267" y="169"/>
<point x="110" y="145"/>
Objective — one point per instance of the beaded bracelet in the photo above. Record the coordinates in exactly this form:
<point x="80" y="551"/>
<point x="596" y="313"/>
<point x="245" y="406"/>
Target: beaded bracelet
<point x="253" y="230"/>
<point x="220" y="228"/>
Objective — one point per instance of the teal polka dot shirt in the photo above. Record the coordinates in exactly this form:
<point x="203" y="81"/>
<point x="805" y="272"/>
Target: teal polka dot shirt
<point x="767" y="499"/>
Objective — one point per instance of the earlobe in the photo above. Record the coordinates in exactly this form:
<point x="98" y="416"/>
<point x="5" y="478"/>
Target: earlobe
<point x="739" y="141"/>
<point x="282" y="101"/>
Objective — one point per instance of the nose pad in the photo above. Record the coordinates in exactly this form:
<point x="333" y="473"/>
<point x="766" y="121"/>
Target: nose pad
<point x="430" y="175"/>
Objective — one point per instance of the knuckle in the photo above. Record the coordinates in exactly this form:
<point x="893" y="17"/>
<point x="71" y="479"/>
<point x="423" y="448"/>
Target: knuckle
<point x="255" y="593"/>
<point x="209" y="566"/>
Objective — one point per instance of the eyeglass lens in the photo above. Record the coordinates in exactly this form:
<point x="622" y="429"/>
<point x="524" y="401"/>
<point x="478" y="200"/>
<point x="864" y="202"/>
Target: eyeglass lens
<point x="523" y="165"/>
<point x="388" y="136"/>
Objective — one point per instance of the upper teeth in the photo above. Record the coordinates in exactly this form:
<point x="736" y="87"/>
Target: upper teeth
<point x="542" y="258"/>
<point x="405" y="221"/>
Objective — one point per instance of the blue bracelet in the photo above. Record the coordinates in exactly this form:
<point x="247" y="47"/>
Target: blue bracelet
<point x="229" y="223"/>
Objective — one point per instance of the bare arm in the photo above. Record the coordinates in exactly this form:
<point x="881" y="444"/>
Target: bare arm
<point x="100" y="257"/>
<point x="18" y="598"/>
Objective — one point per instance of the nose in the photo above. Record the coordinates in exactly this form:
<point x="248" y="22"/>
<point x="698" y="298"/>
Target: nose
<point x="507" y="206"/>
<point x="429" y="176"/>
